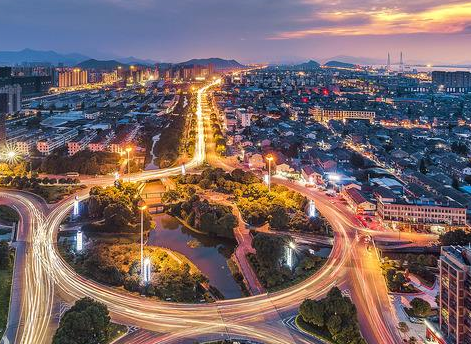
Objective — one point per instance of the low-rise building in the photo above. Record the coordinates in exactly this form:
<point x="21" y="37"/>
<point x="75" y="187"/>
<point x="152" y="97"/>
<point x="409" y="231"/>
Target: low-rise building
<point x="422" y="215"/>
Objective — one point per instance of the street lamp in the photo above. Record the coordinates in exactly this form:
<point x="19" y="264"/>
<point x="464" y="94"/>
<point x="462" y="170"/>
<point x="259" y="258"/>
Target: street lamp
<point x="269" y="159"/>
<point x="289" y="251"/>
<point x="142" y="206"/>
<point x="128" y="150"/>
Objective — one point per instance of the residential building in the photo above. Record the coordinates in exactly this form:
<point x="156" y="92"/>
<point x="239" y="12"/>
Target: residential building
<point x="357" y="200"/>
<point x="80" y="142"/>
<point x="56" y="140"/>
<point x="454" y="325"/>
<point x="74" y="77"/>
<point x="418" y="214"/>
<point x="10" y="99"/>
<point x="325" y="115"/>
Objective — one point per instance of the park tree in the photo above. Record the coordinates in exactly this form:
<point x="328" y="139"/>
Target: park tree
<point x="312" y="312"/>
<point x="269" y="249"/>
<point x="278" y="218"/>
<point x="87" y="322"/>
<point x="117" y="216"/>
<point x="420" y="307"/>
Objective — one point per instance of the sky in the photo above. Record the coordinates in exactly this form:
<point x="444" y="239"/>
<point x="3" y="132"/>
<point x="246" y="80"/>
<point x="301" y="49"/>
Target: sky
<point x="427" y="31"/>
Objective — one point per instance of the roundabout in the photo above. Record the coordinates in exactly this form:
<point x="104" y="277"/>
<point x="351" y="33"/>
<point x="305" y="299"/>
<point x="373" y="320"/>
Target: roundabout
<point x="49" y="277"/>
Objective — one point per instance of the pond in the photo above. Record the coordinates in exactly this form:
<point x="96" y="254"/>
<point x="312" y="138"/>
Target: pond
<point x="209" y="254"/>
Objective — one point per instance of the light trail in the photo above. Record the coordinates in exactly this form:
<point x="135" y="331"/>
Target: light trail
<point x="255" y="317"/>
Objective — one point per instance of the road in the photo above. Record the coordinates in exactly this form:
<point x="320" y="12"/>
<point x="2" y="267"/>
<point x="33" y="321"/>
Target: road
<point x="258" y="317"/>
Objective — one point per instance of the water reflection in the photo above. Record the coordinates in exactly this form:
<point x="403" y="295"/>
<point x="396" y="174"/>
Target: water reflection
<point x="209" y="254"/>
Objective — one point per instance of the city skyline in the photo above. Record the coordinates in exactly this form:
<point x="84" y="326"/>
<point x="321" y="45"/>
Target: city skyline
<point x="249" y="31"/>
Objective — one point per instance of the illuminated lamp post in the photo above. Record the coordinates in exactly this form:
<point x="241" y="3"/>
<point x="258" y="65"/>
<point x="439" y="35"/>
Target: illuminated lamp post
<point x="146" y="273"/>
<point x="79" y="240"/>
<point x="289" y="254"/>
<point x="142" y="206"/>
<point x="76" y="207"/>
<point x="128" y="150"/>
<point x="269" y="159"/>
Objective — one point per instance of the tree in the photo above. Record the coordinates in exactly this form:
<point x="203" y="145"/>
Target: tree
<point x="454" y="238"/>
<point x="171" y="196"/>
<point x="420" y="307"/>
<point x="403" y="327"/>
<point x="312" y="312"/>
<point x="5" y="257"/>
<point x="117" y="216"/>
<point x="455" y="183"/>
<point x="87" y="322"/>
<point x="269" y="249"/>
<point x="278" y="217"/>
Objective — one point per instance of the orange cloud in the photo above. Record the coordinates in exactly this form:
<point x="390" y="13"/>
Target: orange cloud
<point x="448" y="18"/>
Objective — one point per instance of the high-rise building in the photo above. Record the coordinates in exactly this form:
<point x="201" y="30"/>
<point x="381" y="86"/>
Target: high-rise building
<point x="74" y="77"/>
<point x="459" y="81"/>
<point x="454" y="297"/>
<point x="10" y="101"/>
<point x="31" y="85"/>
<point x="3" y="127"/>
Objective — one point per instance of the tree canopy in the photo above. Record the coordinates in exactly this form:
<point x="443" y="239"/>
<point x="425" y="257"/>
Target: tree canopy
<point x="87" y="322"/>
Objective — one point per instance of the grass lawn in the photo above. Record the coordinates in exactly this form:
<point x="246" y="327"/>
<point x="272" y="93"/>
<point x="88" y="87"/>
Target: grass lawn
<point x="317" y="332"/>
<point x="116" y="331"/>
<point x="5" y="289"/>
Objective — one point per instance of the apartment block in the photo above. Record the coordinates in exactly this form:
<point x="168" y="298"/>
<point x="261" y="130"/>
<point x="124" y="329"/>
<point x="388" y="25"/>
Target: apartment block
<point x="454" y="298"/>
<point x="325" y="115"/>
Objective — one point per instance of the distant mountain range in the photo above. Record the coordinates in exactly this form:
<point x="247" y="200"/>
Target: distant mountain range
<point x="339" y="64"/>
<point x="29" y="55"/>
<point x="218" y="63"/>
<point x="311" y="65"/>
<point x="83" y="61"/>
<point x="54" y="58"/>
<point x="101" y="64"/>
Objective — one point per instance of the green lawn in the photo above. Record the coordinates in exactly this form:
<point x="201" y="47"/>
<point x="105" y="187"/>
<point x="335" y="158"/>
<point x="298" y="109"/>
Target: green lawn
<point x="5" y="289"/>
<point x="116" y="331"/>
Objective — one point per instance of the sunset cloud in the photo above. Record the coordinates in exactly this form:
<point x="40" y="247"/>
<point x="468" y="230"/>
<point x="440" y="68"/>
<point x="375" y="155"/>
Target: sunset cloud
<point x="447" y="18"/>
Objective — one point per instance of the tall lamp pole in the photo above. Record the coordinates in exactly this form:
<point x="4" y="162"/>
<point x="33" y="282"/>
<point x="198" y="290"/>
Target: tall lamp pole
<point x="128" y="150"/>
<point x="142" y="206"/>
<point x="269" y="159"/>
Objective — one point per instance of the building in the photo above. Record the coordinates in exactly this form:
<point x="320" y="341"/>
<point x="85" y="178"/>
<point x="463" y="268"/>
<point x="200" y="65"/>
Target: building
<point x="80" y="142"/>
<point x="452" y="81"/>
<point x="58" y="139"/>
<point x="357" y="201"/>
<point x="10" y="99"/>
<point x="454" y="325"/>
<point x="74" y="77"/>
<point x="31" y="85"/>
<point x="421" y="215"/>
<point x="3" y="128"/>
<point x="325" y="115"/>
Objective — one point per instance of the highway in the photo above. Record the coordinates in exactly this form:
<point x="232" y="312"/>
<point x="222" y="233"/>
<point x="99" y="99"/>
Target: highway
<point x="258" y="317"/>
